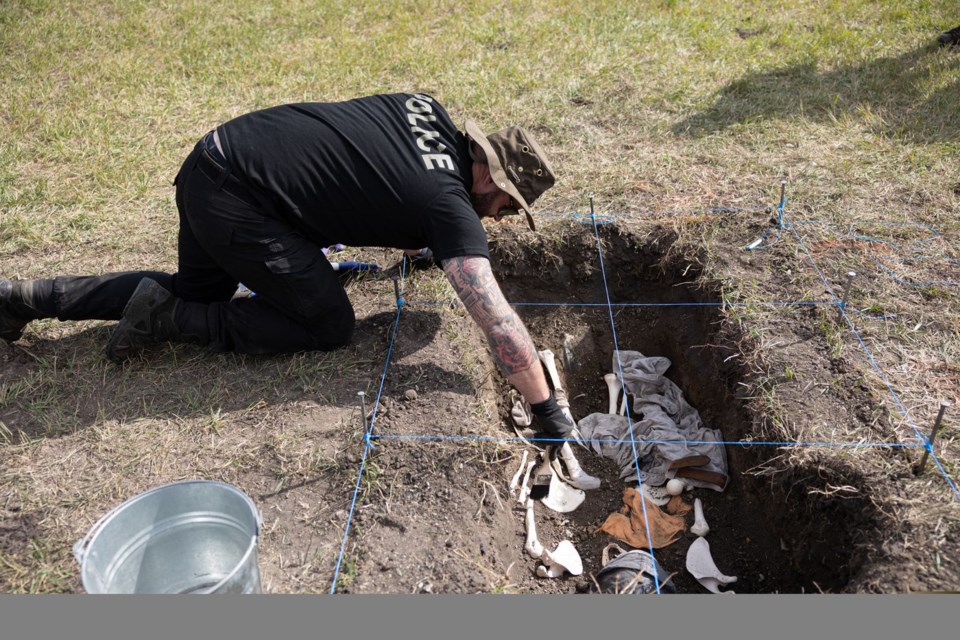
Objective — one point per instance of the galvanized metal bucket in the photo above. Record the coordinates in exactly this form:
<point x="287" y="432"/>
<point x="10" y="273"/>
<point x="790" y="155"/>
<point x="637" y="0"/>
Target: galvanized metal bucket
<point x="196" y="536"/>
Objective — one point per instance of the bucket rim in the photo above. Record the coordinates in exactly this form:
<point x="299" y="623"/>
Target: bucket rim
<point x="81" y="546"/>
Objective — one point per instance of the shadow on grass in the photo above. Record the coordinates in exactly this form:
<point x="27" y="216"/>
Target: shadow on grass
<point x="62" y="386"/>
<point x="890" y="92"/>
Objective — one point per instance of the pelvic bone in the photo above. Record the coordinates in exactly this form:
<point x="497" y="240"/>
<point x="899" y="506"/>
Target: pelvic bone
<point x="701" y="566"/>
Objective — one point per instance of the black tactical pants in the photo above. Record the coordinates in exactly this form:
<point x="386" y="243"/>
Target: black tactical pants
<point x="229" y="234"/>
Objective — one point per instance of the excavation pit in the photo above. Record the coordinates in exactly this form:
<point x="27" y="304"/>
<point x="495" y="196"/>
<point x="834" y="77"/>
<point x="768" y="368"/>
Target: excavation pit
<point x="766" y="529"/>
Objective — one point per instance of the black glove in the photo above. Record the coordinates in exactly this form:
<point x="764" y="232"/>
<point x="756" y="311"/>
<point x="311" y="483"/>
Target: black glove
<point x="422" y="260"/>
<point x="554" y="425"/>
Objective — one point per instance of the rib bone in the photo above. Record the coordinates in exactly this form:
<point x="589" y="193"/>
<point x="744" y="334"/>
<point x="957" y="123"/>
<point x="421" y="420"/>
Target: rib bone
<point x="515" y="482"/>
<point x="524" y="489"/>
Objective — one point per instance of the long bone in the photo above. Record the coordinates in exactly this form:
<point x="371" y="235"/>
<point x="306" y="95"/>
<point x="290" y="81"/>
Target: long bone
<point x="700" y="526"/>
<point x="547" y="571"/>
<point x="613" y="391"/>
<point x="576" y="476"/>
<point x="533" y="547"/>
<point x="563" y="558"/>
<point x="550" y="362"/>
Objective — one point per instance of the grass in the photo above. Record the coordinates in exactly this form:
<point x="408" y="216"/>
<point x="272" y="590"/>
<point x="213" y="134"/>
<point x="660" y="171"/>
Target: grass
<point x="649" y="106"/>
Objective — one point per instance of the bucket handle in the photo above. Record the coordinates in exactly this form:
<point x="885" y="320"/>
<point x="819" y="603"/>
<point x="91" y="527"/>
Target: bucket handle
<point x="80" y="546"/>
<point x="605" y="556"/>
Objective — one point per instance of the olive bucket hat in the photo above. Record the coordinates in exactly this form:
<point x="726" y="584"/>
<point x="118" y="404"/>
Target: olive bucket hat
<point x="517" y="164"/>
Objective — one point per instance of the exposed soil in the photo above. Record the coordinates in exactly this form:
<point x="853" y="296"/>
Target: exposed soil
<point x="433" y="512"/>
<point x="447" y="524"/>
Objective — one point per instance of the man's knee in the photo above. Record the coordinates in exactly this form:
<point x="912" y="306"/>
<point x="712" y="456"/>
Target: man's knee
<point x="334" y="330"/>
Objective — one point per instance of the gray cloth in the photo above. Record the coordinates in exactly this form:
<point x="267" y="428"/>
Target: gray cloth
<point x="670" y="429"/>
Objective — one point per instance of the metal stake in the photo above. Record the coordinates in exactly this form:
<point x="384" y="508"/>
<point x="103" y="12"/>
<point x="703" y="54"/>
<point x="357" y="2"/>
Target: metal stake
<point x="592" y="214"/>
<point x="846" y="292"/>
<point x="933" y="434"/>
<point x="783" y="193"/>
<point x="363" y="409"/>
<point x="396" y="291"/>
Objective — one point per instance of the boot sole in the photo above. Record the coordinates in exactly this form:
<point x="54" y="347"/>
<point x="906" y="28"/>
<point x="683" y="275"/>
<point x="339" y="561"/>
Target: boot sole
<point x="130" y="338"/>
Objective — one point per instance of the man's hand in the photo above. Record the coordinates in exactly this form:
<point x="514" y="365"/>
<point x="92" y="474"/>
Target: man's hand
<point x="420" y="258"/>
<point x="554" y="424"/>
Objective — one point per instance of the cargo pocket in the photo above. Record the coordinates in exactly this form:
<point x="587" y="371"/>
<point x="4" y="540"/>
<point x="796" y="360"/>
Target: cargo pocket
<point x="296" y="279"/>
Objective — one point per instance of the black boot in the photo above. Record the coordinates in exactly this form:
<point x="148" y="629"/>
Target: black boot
<point x="147" y="319"/>
<point x="20" y="303"/>
<point x="951" y="37"/>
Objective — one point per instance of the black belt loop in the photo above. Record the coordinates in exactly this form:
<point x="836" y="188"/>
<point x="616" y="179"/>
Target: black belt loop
<point x="220" y="174"/>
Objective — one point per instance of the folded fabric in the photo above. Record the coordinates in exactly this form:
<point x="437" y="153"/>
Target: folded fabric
<point x="666" y="429"/>
<point x="630" y="526"/>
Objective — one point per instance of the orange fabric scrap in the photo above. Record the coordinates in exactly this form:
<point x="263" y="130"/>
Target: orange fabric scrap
<point x="628" y="525"/>
<point x="677" y="507"/>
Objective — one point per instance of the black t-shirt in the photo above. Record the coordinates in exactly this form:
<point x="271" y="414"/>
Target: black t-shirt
<point x="385" y="170"/>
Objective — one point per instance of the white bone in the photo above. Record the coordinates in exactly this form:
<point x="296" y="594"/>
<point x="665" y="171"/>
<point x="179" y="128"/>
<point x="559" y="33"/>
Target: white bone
<point x="524" y="489"/>
<point x="701" y="566"/>
<point x="549" y="361"/>
<point x="700" y="526"/>
<point x="613" y="391"/>
<point x="676" y="486"/>
<point x="549" y="571"/>
<point x="561" y="497"/>
<point x="623" y="404"/>
<point x="533" y="547"/>
<point x="564" y="556"/>
<point x="515" y="482"/>
<point x="576" y="476"/>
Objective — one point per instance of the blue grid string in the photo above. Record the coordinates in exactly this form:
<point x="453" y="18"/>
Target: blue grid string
<point x="368" y="432"/>
<point x="911" y="283"/>
<point x="369" y="436"/>
<point x="756" y="244"/>
<point x="604" y="305"/>
<point x="729" y="443"/>
<point x="915" y="246"/>
<point x="653" y="214"/>
<point x="633" y="443"/>
<point x="879" y="369"/>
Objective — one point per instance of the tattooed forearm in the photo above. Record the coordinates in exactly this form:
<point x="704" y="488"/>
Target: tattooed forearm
<point x="474" y="283"/>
